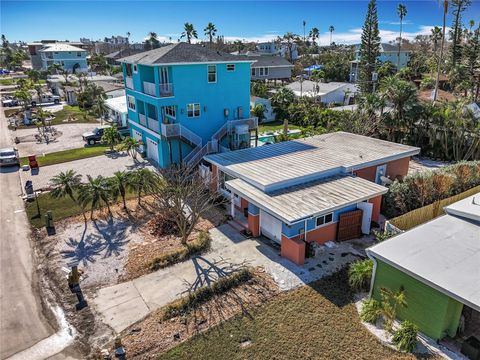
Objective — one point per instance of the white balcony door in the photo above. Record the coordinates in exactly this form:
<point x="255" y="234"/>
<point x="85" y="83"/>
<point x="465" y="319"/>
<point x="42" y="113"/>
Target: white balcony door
<point x="164" y="75"/>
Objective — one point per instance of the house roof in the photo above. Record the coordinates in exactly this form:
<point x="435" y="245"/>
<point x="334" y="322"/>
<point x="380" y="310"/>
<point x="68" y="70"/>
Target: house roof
<point x="60" y="47"/>
<point x="443" y="253"/>
<point x="270" y="61"/>
<point x="121" y="53"/>
<point x="311" y="199"/>
<point x="108" y="86"/>
<point x="280" y="163"/>
<point x="181" y="53"/>
<point x="312" y="88"/>
<point x="385" y="47"/>
<point x="118" y="104"/>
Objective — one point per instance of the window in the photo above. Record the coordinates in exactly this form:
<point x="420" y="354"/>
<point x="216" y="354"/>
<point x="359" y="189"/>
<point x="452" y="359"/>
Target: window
<point x="171" y="111"/>
<point x="263" y="71"/>
<point x="212" y="73"/>
<point x="230" y="67"/>
<point x="79" y="54"/>
<point x="134" y="68"/>
<point x="56" y="52"/>
<point x="324" y="219"/>
<point x="128" y="69"/>
<point x="131" y="102"/>
<point x="193" y="110"/>
<point x="253" y="71"/>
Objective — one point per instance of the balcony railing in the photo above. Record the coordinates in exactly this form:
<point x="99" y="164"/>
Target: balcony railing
<point x="177" y="130"/>
<point x="198" y="153"/>
<point x="153" y="125"/>
<point x="129" y="82"/>
<point x="143" y="119"/>
<point x="149" y="88"/>
<point x="166" y="90"/>
<point x="251" y="122"/>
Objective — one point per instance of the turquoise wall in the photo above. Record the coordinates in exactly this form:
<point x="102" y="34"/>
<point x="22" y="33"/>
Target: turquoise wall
<point x="69" y="59"/>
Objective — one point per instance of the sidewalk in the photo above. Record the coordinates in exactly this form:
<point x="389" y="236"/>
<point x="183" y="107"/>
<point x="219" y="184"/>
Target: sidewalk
<point x="124" y="304"/>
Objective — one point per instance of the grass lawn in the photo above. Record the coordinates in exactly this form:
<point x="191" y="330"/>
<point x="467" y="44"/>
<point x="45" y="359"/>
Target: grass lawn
<point x="6" y="82"/>
<point x="67" y="155"/>
<point x="313" y="322"/>
<point x="274" y="126"/>
<point x="81" y="116"/>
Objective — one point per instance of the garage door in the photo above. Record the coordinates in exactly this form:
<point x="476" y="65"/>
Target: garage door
<point x="137" y="135"/>
<point x="152" y="150"/>
<point x="270" y="227"/>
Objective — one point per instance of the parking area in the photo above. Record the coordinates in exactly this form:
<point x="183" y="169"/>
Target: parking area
<point x="69" y="136"/>
<point x="104" y="165"/>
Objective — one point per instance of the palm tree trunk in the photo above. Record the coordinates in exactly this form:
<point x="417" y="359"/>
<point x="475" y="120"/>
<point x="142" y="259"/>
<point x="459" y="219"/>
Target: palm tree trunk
<point x="91" y="213"/>
<point x="124" y="202"/>
<point x="399" y="46"/>
<point x="445" y="10"/>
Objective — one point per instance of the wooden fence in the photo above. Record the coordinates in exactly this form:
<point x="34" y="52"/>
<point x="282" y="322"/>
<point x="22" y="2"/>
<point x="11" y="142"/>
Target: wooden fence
<point x="422" y="215"/>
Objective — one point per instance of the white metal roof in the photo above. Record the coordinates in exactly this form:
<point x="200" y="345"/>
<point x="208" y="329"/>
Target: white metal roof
<point x="118" y="104"/>
<point x="311" y="199"/>
<point x="443" y="253"/>
<point x="468" y="208"/>
<point x="277" y="165"/>
<point x="61" y="47"/>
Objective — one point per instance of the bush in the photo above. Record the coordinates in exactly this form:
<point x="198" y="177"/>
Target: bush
<point x="405" y="338"/>
<point x="359" y="274"/>
<point x="204" y="294"/>
<point x="370" y="311"/>
<point x="196" y="247"/>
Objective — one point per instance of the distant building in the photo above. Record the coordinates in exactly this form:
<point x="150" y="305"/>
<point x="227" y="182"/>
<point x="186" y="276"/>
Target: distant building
<point x="46" y="52"/>
<point x="272" y="48"/>
<point x="113" y="57"/>
<point x="117" y="40"/>
<point x="326" y="93"/>
<point x="270" y="68"/>
<point x="267" y="105"/>
<point x="387" y="53"/>
<point x="117" y="110"/>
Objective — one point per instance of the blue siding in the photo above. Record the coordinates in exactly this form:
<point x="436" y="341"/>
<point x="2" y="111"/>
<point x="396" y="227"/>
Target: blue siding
<point x="293" y="230"/>
<point x="253" y="210"/>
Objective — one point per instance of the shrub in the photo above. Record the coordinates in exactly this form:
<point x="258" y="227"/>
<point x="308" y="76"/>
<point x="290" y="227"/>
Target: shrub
<point x="370" y="311"/>
<point x="195" y="247"/>
<point x="204" y="294"/>
<point x="405" y="338"/>
<point x="382" y="235"/>
<point x="359" y="274"/>
<point x="391" y="300"/>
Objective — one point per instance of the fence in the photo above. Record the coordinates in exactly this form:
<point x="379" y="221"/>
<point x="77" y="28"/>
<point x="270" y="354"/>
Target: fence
<point x="422" y="215"/>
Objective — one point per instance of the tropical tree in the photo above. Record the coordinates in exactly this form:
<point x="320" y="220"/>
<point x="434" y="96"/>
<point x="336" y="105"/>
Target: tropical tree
<point x="33" y="75"/>
<point x="402" y="12"/>
<point x="120" y="183"/>
<point x="99" y="108"/>
<point x="440" y="57"/>
<point x="152" y="41"/>
<point x="130" y="145"/>
<point x="280" y="102"/>
<point x="95" y="192"/>
<point x="391" y="301"/>
<point x="65" y="184"/>
<point x="331" y="29"/>
<point x="459" y="7"/>
<point x="210" y="31"/>
<point x="54" y="68"/>
<point x="314" y="35"/>
<point x="39" y="90"/>
<point x="471" y="56"/>
<point x="189" y="32"/>
<point x="436" y="36"/>
<point x="111" y="136"/>
<point x="291" y="40"/>
<point x="24" y="96"/>
<point x="304" y="24"/>
<point x="259" y="112"/>
<point x="359" y="274"/>
<point x="369" y="48"/>
<point x="144" y="181"/>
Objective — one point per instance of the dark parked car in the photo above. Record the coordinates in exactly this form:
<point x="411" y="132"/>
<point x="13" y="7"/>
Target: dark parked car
<point x="95" y="135"/>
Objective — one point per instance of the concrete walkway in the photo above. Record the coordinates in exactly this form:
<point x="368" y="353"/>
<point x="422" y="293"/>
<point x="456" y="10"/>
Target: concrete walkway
<point x="124" y="304"/>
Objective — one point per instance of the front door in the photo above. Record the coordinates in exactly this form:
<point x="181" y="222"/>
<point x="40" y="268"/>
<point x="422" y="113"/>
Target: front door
<point x="367" y="216"/>
<point x="381" y="171"/>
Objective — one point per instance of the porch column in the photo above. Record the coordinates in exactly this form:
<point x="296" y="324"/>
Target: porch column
<point x="254" y="219"/>
<point x="156" y="77"/>
<point x="232" y="204"/>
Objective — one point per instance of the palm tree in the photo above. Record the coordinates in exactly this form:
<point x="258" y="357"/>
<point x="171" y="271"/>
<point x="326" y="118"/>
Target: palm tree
<point x="66" y="184"/>
<point x="94" y="192"/>
<point x="99" y="108"/>
<point x="54" y="68"/>
<point x="130" y="145"/>
<point x="152" y="40"/>
<point x="33" y="75"/>
<point x="440" y="58"/>
<point x="436" y="36"/>
<point x="39" y="89"/>
<point x="111" y="136"/>
<point x="189" y="32"/>
<point x="402" y="12"/>
<point x="120" y="183"/>
<point x="144" y="181"/>
<point x="304" y="24"/>
<point x="359" y="274"/>
<point x="331" y="29"/>
<point x="314" y="34"/>
<point x="210" y="31"/>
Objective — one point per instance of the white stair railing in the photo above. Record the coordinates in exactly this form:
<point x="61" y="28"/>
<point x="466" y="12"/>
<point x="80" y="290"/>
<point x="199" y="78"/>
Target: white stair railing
<point x="177" y="130"/>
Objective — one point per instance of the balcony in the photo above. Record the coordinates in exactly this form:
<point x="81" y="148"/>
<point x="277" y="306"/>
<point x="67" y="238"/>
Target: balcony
<point x="149" y="88"/>
<point x="129" y="82"/>
<point x="251" y="122"/>
<point x="143" y="119"/>
<point x="153" y="125"/>
<point x="178" y="131"/>
<point x="166" y="90"/>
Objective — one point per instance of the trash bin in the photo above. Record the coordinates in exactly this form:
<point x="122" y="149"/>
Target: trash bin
<point x="49" y="219"/>
<point x="29" y="187"/>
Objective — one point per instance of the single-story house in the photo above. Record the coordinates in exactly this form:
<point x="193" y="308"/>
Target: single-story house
<point x="267" y="104"/>
<point x="437" y="264"/>
<point x="308" y="191"/>
<point x="117" y="110"/>
<point x="112" y="90"/>
<point x="268" y="67"/>
<point x="326" y="93"/>
<point x="56" y="82"/>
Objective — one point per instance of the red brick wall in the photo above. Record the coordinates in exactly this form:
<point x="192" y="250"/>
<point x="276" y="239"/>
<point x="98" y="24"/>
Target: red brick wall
<point x="396" y="168"/>
<point x="367" y="173"/>
<point x="254" y="224"/>
<point x="293" y="250"/>
<point x="323" y="234"/>
<point x="377" y="203"/>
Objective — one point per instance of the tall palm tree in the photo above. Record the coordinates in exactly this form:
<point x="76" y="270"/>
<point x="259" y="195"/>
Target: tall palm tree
<point x="120" y="183"/>
<point x="144" y="181"/>
<point x="210" y="31"/>
<point x="152" y="40"/>
<point x="440" y="58"/>
<point x="94" y="192"/>
<point x="331" y="29"/>
<point x="314" y="34"/>
<point x="130" y="145"/>
<point x="66" y="184"/>
<point x="189" y="32"/>
<point x="304" y="24"/>
<point x="99" y="107"/>
<point x="435" y="37"/>
<point x="402" y="12"/>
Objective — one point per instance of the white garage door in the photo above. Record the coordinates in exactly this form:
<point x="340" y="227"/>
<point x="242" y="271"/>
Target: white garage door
<point x="137" y="135"/>
<point x="152" y="150"/>
<point x="270" y="227"/>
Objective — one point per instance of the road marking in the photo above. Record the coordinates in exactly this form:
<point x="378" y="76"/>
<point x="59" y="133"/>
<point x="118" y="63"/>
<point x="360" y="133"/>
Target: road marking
<point x="19" y="211"/>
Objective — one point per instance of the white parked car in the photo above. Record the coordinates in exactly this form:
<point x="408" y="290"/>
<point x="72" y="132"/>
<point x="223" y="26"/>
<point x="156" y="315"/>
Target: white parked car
<point x="45" y="99"/>
<point x="8" y="157"/>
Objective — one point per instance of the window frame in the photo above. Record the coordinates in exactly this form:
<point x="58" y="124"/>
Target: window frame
<point x="194" y="106"/>
<point x="128" y="66"/>
<point x="324" y="222"/>
<point x="171" y="111"/>
<point x="254" y="71"/>
<point x="135" y="68"/>
<point x="209" y="73"/>
<point x="232" y="67"/>
<point x="129" y="97"/>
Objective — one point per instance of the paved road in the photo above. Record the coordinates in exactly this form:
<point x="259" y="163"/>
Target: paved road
<point x="22" y="323"/>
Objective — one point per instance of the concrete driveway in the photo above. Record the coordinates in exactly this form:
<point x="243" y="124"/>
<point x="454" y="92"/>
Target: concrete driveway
<point x="70" y="137"/>
<point x="104" y="165"/>
<point x="124" y="304"/>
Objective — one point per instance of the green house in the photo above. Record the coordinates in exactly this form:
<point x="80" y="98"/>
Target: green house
<point x="438" y="266"/>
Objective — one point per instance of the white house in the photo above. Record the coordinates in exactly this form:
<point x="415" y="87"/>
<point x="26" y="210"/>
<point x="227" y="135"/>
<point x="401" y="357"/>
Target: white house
<point x="117" y="110"/>
<point x="267" y="105"/>
<point x="326" y="93"/>
<point x="282" y="49"/>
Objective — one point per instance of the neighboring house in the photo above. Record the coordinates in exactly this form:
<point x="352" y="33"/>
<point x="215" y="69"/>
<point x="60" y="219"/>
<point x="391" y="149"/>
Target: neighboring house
<point x="72" y="58"/>
<point x="36" y="56"/>
<point x="113" y="57"/>
<point x="56" y="83"/>
<point x="272" y="48"/>
<point x="266" y="103"/>
<point x="387" y="53"/>
<point x="117" y="110"/>
<point x="271" y="68"/>
<point x="185" y="101"/>
<point x="326" y="93"/>
<point x="304" y="193"/>
<point x="437" y="264"/>
<point x="112" y="90"/>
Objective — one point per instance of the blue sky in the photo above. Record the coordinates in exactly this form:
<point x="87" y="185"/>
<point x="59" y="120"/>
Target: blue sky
<point x="257" y="21"/>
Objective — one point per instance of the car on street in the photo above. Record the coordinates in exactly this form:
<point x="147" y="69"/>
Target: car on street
<point x="94" y="136"/>
<point x="9" y="157"/>
<point x="10" y="102"/>
<point x="46" y="98"/>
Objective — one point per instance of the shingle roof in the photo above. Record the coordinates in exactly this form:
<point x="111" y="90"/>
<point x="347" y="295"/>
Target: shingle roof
<point x="299" y="202"/>
<point x="271" y="61"/>
<point x="181" y="53"/>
